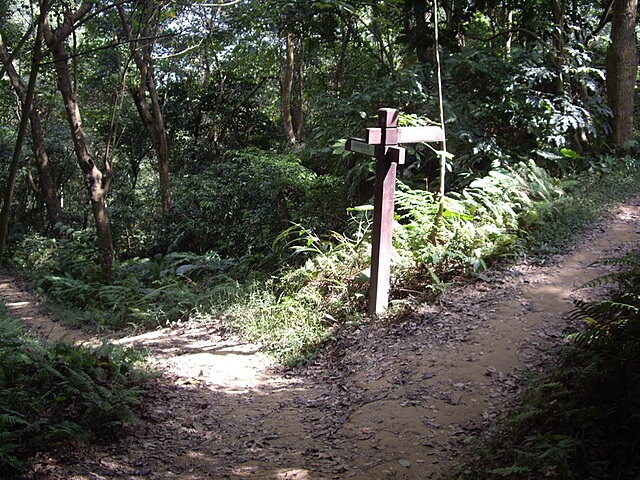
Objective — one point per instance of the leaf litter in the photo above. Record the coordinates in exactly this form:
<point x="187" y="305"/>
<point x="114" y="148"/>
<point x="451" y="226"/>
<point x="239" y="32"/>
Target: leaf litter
<point x="390" y="400"/>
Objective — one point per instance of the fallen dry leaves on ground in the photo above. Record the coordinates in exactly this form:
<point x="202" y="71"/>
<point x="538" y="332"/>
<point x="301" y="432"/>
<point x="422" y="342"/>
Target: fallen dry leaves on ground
<point x="390" y="400"/>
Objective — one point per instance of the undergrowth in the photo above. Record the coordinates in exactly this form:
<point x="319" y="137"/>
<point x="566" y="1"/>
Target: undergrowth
<point x="581" y="418"/>
<point x="53" y="393"/>
<point x="322" y="280"/>
<point x="585" y="200"/>
<point x="481" y="224"/>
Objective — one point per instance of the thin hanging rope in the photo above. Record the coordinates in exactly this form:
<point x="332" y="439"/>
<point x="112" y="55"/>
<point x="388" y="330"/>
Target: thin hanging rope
<point x="443" y="153"/>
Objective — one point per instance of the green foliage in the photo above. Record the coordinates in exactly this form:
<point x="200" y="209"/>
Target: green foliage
<point x="143" y="293"/>
<point x="225" y="114"/>
<point x="293" y="292"/>
<point x="336" y="117"/>
<point x="509" y="471"/>
<point x="55" y="392"/>
<point x="135" y="210"/>
<point x="290" y="328"/>
<point x="241" y="202"/>
<point x="612" y="332"/>
<point x="507" y="108"/>
<point x="480" y="224"/>
<point x="587" y="197"/>
<point x="293" y="316"/>
<point x="73" y="253"/>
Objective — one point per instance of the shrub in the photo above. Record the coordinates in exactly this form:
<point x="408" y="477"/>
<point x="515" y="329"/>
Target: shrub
<point x="245" y="199"/>
<point x="483" y="222"/>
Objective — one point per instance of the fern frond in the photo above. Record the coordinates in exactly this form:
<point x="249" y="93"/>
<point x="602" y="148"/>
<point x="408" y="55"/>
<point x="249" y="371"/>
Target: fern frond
<point x="11" y="419"/>
<point x="508" y="471"/>
<point x="603" y="312"/>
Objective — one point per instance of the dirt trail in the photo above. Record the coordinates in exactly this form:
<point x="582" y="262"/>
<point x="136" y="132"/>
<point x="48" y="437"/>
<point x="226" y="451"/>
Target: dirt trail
<point x="20" y="303"/>
<point x="384" y="402"/>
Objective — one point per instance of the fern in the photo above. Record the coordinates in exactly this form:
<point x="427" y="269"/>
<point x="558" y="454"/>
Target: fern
<point x="615" y="321"/>
<point x="11" y="419"/>
<point x="523" y="416"/>
<point x="8" y="454"/>
<point x="480" y="223"/>
<point x="58" y="391"/>
<point x="509" y="471"/>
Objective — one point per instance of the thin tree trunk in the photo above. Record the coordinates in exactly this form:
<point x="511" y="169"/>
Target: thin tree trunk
<point x="341" y="63"/>
<point x="47" y="188"/>
<point x="97" y="183"/>
<point x="509" y="36"/>
<point x="287" y="91"/>
<point x="420" y="37"/>
<point x="557" y="9"/>
<point x="297" y="107"/>
<point x="17" y="151"/>
<point x="153" y="119"/>
<point x="622" y="68"/>
<point x="159" y="140"/>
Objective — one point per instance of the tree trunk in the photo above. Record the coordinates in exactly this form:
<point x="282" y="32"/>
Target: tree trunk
<point x="418" y="34"/>
<point x="153" y="119"/>
<point x="622" y="68"/>
<point x="97" y="183"/>
<point x="159" y="140"/>
<point x="5" y="213"/>
<point x="341" y="62"/>
<point x="47" y="187"/>
<point x="297" y="104"/>
<point x="558" y="60"/>
<point x="287" y="91"/>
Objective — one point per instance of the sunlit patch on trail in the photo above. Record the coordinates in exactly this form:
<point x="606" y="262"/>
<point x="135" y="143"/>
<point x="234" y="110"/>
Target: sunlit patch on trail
<point x="200" y="356"/>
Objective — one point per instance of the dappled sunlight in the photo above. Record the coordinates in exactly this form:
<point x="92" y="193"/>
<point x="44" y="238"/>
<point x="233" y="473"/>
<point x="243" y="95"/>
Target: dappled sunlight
<point x="229" y="369"/>
<point x="21" y="304"/>
<point x="279" y="474"/>
<point x="201" y="355"/>
<point x="393" y="400"/>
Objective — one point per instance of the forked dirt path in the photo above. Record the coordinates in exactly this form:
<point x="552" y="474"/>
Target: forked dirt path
<point x="388" y="401"/>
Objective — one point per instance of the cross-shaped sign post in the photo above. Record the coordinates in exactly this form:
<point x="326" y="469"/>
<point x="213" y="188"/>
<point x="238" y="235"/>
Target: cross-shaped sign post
<point x="382" y="143"/>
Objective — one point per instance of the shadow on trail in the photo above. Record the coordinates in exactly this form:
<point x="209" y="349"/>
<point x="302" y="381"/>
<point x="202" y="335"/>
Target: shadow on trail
<point x="386" y="401"/>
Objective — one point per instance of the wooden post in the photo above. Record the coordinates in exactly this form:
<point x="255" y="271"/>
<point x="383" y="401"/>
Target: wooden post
<point x="383" y="208"/>
<point x="382" y="142"/>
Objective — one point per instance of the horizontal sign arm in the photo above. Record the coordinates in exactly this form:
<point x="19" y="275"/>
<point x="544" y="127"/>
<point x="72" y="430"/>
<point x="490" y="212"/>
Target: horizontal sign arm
<point x="396" y="154"/>
<point x="407" y="135"/>
<point x="359" y="145"/>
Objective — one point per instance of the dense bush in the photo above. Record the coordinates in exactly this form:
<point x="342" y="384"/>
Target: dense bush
<point x="508" y="108"/>
<point x="242" y="201"/>
<point x="483" y="222"/>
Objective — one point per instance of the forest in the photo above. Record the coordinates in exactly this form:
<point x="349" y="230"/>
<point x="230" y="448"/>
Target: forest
<point x="165" y="163"/>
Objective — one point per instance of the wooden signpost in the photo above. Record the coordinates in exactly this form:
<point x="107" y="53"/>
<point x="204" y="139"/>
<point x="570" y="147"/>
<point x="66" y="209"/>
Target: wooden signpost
<point x="382" y="143"/>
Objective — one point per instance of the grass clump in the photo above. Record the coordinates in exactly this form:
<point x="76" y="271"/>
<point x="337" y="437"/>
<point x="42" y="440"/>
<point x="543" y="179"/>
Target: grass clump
<point x="57" y="392"/>
<point x="292" y="315"/>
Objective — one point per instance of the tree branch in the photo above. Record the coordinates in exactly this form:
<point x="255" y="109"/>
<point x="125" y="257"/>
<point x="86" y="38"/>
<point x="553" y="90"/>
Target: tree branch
<point x="604" y="19"/>
<point x="107" y="47"/>
<point x="529" y="33"/>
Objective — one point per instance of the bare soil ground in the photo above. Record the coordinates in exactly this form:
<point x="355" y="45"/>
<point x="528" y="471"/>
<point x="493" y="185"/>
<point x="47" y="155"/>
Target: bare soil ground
<point x="387" y="401"/>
